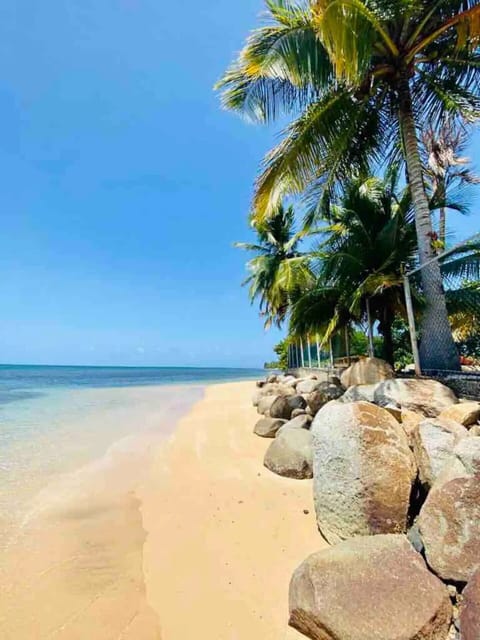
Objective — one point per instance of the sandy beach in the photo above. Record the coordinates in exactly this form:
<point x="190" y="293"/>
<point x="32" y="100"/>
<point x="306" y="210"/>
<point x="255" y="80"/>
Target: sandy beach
<point x="183" y="538"/>
<point x="223" y="533"/>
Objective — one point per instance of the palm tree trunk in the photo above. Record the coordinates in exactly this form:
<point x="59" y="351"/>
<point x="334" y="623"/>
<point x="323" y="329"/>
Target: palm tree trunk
<point x="386" y="331"/>
<point x="442" y="221"/>
<point x="437" y="348"/>
<point x="442" y="225"/>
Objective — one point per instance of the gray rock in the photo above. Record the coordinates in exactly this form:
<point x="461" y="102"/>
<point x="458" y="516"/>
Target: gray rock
<point x="272" y="378"/>
<point x="427" y="397"/>
<point x="307" y="386"/>
<point x="474" y="431"/>
<point x="268" y="427"/>
<point x="467" y="452"/>
<point x="363" y="471"/>
<point x="265" y="403"/>
<point x="414" y="537"/>
<point x="369" y="588"/>
<point x="290" y="454"/>
<point x="464" y="463"/>
<point x="281" y="408"/>
<point x="433" y="445"/>
<point x="297" y="402"/>
<point x="323" y="394"/>
<point x="359" y="393"/>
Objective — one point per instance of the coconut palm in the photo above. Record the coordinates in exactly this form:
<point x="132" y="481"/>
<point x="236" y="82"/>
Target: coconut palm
<point x="278" y="269"/>
<point x="360" y="77"/>
<point x="447" y="168"/>
<point x="368" y="241"/>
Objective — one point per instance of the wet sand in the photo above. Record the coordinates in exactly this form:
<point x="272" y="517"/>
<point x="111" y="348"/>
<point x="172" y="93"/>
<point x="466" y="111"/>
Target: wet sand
<point x="185" y="539"/>
<point x="74" y="569"/>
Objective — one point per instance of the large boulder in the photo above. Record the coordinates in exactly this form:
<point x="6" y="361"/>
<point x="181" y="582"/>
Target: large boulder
<point x="470" y="609"/>
<point x="467" y="452"/>
<point x="307" y="386"/>
<point x="290" y="454"/>
<point x="366" y="371"/>
<point x="363" y="471"/>
<point x="464" y="462"/>
<point x="369" y="588"/>
<point x="265" y="403"/>
<point x="281" y="408"/>
<point x="427" y="397"/>
<point x="449" y="524"/>
<point x="433" y="445"/>
<point x="268" y="427"/>
<point x="466" y="413"/>
<point x="325" y="392"/>
<point x="359" y="392"/>
<point x="297" y="402"/>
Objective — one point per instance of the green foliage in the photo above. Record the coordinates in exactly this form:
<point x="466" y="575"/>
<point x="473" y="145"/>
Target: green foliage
<point x="355" y="79"/>
<point x="401" y="344"/>
<point x="279" y="269"/>
<point x="368" y="238"/>
<point x="281" y="349"/>
<point x="332" y="67"/>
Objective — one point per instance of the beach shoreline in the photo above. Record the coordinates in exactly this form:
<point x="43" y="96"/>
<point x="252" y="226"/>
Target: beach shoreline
<point x="72" y="567"/>
<point x="199" y="521"/>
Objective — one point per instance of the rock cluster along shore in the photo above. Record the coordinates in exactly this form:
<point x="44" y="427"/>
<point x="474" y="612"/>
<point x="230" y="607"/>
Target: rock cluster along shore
<point x="396" y="486"/>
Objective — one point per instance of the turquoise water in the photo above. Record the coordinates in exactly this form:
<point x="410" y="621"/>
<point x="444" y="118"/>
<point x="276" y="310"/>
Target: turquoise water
<point x="57" y="420"/>
<point x="22" y="382"/>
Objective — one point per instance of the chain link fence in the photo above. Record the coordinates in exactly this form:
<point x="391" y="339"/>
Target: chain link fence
<point x="455" y="276"/>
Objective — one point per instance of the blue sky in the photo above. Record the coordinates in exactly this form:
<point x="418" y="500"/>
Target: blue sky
<point x="124" y="185"/>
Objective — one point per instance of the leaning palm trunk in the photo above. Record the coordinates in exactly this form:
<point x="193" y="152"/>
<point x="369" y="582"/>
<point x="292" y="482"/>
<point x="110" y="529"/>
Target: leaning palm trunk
<point x="437" y="348"/>
<point x="442" y="226"/>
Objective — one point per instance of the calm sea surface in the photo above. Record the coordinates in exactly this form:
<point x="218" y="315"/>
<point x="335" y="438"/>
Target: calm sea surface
<point x="55" y="420"/>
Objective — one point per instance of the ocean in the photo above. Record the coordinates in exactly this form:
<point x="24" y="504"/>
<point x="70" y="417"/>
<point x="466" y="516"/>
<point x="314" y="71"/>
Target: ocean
<point x="56" y="422"/>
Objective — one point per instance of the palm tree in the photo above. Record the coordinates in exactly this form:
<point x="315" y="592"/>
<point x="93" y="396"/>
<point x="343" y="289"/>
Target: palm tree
<point x="369" y="239"/>
<point x="360" y="77"/>
<point x="278" y="269"/>
<point x="446" y="168"/>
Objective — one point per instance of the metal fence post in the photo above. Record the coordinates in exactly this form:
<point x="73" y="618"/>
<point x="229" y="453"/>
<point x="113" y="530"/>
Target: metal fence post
<point x="302" y="354"/>
<point x="309" y="346"/>
<point x="330" y="347"/>
<point x="411" y="325"/>
<point x="318" y="351"/>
